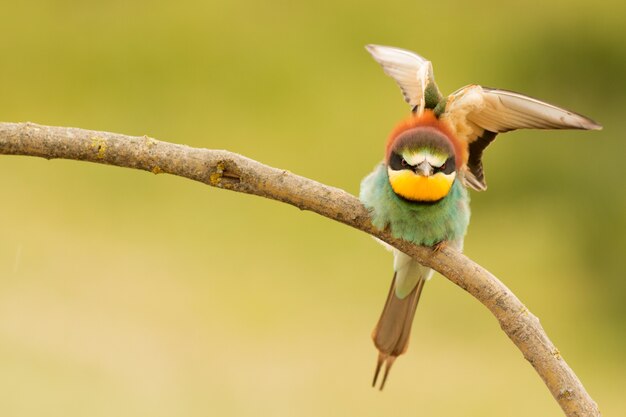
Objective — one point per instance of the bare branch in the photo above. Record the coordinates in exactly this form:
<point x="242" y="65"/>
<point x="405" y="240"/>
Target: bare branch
<point x="231" y="171"/>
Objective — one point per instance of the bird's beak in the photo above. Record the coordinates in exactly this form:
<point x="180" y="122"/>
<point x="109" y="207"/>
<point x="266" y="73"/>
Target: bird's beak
<point x="424" y="169"/>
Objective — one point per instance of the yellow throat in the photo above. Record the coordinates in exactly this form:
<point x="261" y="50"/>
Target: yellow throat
<point x="420" y="188"/>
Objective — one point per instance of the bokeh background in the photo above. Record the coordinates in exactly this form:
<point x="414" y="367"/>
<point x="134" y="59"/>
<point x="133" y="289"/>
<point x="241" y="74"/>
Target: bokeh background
<point x="129" y="294"/>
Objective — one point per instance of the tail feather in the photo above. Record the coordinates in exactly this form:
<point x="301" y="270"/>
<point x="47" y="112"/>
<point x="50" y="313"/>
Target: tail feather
<point x="388" y="361"/>
<point x="391" y="334"/>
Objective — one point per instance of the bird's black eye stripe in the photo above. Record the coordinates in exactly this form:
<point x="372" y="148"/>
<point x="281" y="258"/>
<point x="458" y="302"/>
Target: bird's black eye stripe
<point x="448" y="167"/>
<point x="397" y="162"/>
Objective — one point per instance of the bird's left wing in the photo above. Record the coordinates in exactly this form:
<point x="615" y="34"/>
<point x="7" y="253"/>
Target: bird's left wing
<point x="504" y="110"/>
<point x="479" y="113"/>
<point x="413" y="73"/>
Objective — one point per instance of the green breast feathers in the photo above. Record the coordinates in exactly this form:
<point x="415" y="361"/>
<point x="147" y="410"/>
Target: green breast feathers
<point x="422" y="224"/>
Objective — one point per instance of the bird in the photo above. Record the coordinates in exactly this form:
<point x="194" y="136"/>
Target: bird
<point x="419" y="192"/>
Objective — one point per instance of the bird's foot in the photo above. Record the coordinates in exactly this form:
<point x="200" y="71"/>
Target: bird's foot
<point x="439" y="246"/>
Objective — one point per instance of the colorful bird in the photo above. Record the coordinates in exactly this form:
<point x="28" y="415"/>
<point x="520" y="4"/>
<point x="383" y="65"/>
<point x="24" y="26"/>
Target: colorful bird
<point x="419" y="190"/>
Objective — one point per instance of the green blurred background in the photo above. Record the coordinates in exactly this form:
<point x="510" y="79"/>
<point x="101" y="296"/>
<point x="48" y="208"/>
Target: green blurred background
<point x="128" y="294"/>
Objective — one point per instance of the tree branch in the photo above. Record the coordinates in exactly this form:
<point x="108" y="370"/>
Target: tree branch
<point x="231" y="171"/>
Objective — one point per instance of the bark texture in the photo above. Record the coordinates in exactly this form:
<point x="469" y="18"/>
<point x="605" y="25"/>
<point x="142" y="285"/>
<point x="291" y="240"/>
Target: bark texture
<point x="234" y="172"/>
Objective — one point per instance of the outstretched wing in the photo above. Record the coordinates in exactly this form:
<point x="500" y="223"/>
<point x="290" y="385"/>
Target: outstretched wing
<point x="501" y="110"/>
<point x="479" y="113"/>
<point x="413" y="73"/>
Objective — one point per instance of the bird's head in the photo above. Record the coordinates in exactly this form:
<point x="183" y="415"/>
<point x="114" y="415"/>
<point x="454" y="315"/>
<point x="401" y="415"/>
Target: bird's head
<point x="422" y="160"/>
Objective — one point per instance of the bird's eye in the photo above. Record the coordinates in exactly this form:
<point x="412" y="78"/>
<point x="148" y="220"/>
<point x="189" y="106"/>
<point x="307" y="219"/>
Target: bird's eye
<point x="404" y="162"/>
<point x="443" y="167"/>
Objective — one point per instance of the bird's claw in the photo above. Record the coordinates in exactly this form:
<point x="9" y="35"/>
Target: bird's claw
<point x="439" y="246"/>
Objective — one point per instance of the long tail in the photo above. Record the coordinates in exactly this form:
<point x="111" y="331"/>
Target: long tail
<point x="391" y="334"/>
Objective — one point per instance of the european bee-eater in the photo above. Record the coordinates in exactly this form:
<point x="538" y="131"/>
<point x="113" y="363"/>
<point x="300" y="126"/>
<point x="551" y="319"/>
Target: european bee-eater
<point x="419" y="190"/>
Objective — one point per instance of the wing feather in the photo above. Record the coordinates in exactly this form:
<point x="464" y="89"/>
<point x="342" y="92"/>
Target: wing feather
<point x="495" y="111"/>
<point x="410" y="71"/>
<point x="506" y="110"/>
